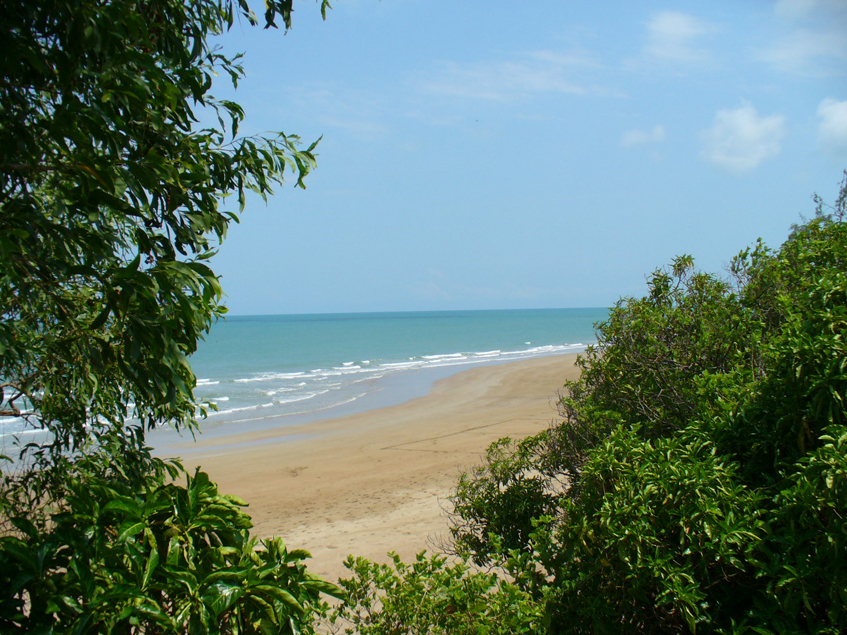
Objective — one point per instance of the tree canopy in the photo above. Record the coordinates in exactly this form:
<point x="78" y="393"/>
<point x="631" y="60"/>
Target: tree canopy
<point x="115" y="190"/>
<point x="113" y="198"/>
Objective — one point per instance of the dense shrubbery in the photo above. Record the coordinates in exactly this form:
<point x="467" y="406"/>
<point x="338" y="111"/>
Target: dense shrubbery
<point x="698" y="478"/>
<point x="147" y="555"/>
<point x="432" y="596"/>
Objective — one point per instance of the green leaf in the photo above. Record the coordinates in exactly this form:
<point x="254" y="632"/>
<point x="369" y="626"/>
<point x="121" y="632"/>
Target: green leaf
<point x="221" y="596"/>
<point x="130" y="530"/>
<point x="277" y="593"/>
<point x="150" y="567"/>
<point x="316" y="584"/>
<point x="123" y="504"/>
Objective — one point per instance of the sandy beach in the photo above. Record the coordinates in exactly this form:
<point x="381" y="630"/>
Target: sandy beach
<point x="378" y="481"/>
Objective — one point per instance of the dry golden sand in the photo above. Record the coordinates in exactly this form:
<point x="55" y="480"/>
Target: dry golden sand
<point x="377" y="481"/>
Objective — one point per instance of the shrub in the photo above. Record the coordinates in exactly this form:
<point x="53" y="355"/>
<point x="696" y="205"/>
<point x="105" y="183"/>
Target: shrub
<point x="144" y="556"/>
<point x="433" y="597"/>
<point x="702" y="453"/>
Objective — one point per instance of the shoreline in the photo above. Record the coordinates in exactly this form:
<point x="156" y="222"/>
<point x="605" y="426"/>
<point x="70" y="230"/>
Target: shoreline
<point x="381" y="392"/>
<point x="376" y="481"/>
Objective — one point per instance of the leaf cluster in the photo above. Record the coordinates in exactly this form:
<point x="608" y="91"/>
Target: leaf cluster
<point x="113" y="195"/>
<point x="432" y="596"/>
<point x="129" y="556"/>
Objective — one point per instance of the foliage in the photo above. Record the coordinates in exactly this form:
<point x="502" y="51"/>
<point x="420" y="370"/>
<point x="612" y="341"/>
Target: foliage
<point x="696" y="480"/>
<point x="654" y="349"/>
<point x="111" y="194"/>
<point x="115" y="190"/>
<point x="150" y="556"/>
<point x="432" y="597"/>
<point x="810" y="518"/>
<point x="500" y="498"/>
<point x="663" y="533"/>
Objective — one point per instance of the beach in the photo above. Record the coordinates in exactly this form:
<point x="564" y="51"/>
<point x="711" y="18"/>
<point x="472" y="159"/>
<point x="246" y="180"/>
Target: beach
<point x="380" y="480"/>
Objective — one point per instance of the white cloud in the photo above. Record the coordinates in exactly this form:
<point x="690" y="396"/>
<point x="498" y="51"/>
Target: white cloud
<point x="675" y="37"/>
<point x="739" y="140"/>
<point x="814" y="41"/>
<point x="537" y="72"/>
<point x="806" y="51"/>
<point x="798" y="9"/>
<point x="832" y="133"/>
<point x="358" y="128"/>
<point x="641" y="137"/>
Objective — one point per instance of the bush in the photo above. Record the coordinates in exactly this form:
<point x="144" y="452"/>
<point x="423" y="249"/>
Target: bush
<point x="433" y="597"/>
<point x="702" y="453"/>
<point x="144" y="556"/>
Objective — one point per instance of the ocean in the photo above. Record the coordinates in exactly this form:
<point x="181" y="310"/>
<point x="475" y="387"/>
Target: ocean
<point x="256" y="369"/>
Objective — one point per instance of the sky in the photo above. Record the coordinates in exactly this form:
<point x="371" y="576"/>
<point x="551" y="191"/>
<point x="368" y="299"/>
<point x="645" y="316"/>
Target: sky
<point x="541" y="154"/>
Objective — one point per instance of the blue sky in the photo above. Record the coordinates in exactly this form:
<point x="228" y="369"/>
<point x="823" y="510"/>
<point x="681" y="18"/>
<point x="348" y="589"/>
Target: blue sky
<point x="486" y="155"/>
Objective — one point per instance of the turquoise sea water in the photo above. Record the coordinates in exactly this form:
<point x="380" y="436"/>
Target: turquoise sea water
<point x="256" y="369"/>
<point x="267" y="366"/>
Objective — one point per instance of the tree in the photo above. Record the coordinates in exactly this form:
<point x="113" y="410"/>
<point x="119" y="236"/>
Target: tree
<point x="112" y="201"/>
<point x="697" y="481"/>
<point x="113" y="197"/>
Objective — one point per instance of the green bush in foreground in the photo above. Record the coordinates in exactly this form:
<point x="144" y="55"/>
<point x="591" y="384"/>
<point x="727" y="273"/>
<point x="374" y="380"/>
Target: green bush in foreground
<point x="698" y="479"/>
<point x="433" y="597"/>
<point x="130" y="556"/>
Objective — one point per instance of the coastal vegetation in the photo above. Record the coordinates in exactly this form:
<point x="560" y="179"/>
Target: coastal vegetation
<point x="696" y="480"/>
